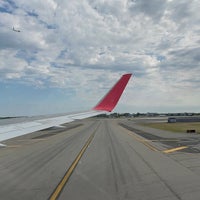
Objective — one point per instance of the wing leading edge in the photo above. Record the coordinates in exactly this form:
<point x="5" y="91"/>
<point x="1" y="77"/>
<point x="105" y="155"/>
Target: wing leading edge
<point x="107" y="104"/>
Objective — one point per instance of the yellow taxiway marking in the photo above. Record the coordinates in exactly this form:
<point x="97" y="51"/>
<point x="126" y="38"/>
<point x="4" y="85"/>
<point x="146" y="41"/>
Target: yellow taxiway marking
<point x="144" y="141"/>
<point x="175" y="149"/>
<point x="150" y="146"/>
<point x="147" y="144"/>
<point x="67" y="175"/>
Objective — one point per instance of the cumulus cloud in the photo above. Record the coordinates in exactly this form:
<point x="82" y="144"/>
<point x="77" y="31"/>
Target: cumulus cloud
<point x="63" y="43"/>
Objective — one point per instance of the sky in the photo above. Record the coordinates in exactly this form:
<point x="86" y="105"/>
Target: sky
<point x="68" y="54"/>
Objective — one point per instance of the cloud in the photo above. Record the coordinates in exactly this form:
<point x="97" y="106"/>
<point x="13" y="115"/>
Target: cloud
<point x="65" y="43"/>
<point x="154" y="9"/>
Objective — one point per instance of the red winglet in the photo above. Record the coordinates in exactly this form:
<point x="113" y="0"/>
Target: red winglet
<point x="112" y="97"/>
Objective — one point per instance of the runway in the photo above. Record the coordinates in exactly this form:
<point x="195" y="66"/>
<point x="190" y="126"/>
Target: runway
<point x="100" y="159"/>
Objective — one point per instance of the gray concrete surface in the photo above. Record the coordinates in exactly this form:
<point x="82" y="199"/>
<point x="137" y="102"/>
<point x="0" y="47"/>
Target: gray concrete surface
<point x="116" y="165"/>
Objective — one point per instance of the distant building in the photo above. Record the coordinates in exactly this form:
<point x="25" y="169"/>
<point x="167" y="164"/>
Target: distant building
<point x="171" y="120"/>
<point x="183" y="119"/>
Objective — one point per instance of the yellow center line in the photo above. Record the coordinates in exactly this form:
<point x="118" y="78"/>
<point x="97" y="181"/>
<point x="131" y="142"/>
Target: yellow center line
<point x="175" y="149"/>
<point x="67" y="175"/>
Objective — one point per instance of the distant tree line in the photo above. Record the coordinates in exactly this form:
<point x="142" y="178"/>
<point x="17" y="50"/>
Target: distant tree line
<point x="138" y="114"/>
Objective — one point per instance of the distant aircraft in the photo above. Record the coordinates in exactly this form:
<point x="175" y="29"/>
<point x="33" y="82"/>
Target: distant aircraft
<point x="107" y="104"/>
<point x="16" y="30"/>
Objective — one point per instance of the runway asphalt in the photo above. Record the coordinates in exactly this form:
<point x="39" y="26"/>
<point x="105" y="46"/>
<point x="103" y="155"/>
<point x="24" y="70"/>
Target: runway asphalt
<point x="101" y="159"/>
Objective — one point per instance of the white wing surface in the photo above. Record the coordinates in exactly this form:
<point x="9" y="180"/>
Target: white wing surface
<point x="107" y="104"/>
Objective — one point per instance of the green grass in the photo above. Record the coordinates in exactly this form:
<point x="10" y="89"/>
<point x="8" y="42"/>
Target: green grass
<point x="175" y="127"/>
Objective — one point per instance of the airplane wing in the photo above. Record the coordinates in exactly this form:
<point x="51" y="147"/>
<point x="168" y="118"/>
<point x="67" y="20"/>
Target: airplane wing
<point x="107" y="104"/>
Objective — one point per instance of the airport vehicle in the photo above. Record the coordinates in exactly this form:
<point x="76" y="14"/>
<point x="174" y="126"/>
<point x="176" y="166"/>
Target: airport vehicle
<point x="107" y="104"/>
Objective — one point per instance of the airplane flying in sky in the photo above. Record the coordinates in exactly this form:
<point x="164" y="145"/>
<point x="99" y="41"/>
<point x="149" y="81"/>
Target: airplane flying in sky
<point x="16" y="30"/>
<point x="107" y="104"/>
